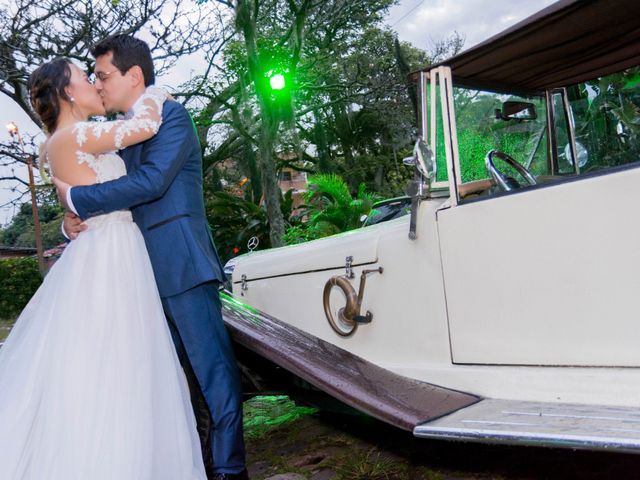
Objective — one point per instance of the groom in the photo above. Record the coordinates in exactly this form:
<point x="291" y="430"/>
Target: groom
<point x="163" y="189"/>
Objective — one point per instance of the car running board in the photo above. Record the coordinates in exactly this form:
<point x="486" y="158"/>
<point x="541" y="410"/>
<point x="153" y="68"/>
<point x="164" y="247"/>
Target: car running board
<point x="397" y="400"/>
<point x="514" y="422"/>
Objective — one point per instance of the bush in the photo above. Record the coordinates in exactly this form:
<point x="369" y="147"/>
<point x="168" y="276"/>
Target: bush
<point x="234" y="221"/>
<point x="330" y="209"/>
<point x="19" y="279"/>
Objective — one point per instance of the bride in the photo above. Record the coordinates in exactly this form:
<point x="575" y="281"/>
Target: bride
<point x="90" y="383"/>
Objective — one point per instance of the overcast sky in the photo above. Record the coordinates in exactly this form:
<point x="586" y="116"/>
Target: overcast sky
<point x="417" y="21"/>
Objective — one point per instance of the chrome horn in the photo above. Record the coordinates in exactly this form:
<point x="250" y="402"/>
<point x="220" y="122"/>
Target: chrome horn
<point x="349" y="316"/>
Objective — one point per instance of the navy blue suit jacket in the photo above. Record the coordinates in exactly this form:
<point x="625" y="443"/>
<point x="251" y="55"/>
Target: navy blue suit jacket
<point x="163" y="189"/>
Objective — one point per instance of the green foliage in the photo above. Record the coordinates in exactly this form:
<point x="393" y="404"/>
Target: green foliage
<point x="330" y="209"/>
<point x="297" y="234"/>
<point x="20" y="232"/>
<point x="607" y="118"/>
<point x="345" y="95"/>
<point x="384" y="174"/>
<point x="606" y="113"/>
<point x="19" y="279"/>
<point x="346" y="89"/>
<point x="479" y="132"/>
<point x="474" y="146"/>
<point x="234" y="221"/>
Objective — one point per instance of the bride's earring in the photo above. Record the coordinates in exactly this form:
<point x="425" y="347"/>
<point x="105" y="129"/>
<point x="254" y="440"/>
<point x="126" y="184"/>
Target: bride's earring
<point x="71" y="99"/>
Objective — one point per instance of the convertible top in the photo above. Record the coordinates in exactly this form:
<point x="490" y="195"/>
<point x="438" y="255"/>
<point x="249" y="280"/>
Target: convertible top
<point x="570" y="41"/>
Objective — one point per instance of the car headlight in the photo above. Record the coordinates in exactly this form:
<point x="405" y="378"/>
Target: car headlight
<point x="228" y="269"/>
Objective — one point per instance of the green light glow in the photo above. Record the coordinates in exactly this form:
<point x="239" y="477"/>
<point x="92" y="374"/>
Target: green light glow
<point x="227" y="298"/>
<point x="264" y="413"/>
<point x="277" y="81"/>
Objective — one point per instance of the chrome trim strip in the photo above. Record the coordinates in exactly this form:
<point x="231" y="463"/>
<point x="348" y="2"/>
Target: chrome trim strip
<point x="528" y="438"/>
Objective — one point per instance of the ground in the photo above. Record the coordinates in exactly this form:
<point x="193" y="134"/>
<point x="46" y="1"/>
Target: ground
<point x="286" y="441"/>
<point x="305" y="443"/>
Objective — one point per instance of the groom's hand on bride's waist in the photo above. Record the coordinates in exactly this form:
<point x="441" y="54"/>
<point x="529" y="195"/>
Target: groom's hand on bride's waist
<point x="72" y="226"/>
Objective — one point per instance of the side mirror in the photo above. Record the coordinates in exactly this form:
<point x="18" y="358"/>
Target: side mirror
<point x="418" y="189"/>
<point x="517" y="111"/>
<point x="581" y="153"/>
<point x="425" y="159"/>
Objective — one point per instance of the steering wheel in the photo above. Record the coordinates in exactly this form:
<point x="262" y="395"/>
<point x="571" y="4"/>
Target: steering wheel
<point x="503" y="181"/>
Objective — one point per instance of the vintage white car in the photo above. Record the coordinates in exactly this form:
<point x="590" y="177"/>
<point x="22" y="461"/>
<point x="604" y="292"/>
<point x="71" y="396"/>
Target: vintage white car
<point x="506" y="307"/>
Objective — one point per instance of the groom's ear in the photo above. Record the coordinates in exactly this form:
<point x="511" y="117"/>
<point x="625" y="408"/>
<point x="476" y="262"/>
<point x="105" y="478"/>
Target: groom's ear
<point x="136" y="76"/>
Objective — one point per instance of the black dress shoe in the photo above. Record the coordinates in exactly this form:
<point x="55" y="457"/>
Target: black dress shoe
<point x="243" y="475"/>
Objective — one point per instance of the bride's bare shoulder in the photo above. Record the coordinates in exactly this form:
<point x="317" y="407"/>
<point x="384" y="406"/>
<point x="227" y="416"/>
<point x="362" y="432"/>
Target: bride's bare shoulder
<point x="67" y="142"/>
<point x="63" y="137"/>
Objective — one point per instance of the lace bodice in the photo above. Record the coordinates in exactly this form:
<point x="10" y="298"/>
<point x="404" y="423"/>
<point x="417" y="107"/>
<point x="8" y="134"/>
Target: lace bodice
<point x="90" y="139"/>
<point x="107" y="166"/>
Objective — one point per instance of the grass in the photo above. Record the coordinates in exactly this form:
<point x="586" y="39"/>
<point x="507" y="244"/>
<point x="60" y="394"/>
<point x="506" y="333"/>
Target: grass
<point x="264" y="413"/>
<point x="5" y="328"/>
<point x="371" y="464"/>
<point x="283" y="437"/>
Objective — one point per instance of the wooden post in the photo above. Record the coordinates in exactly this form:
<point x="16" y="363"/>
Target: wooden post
<point x="36" y="217"/>
<point x="15" y="134"/>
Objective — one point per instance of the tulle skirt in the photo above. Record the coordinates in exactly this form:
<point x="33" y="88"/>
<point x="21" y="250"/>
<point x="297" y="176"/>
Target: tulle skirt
<point x="90" y="384"/>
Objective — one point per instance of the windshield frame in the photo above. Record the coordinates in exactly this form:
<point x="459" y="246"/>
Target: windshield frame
<point x="439" y="80"/>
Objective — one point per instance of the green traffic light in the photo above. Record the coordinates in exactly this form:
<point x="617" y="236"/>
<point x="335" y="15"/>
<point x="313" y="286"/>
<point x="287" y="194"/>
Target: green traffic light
<point x="277" y="81"/>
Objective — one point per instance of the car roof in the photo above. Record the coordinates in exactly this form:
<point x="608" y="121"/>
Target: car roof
<point x="568" y="42"/>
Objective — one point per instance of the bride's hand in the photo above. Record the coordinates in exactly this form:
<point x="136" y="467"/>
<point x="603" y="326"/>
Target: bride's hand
<point x="72" y="225"/>
<point x="152" y="95"/>
<point x="158" y="92"/>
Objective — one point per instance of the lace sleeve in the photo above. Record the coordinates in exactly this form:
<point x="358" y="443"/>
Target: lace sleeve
<point x="101" y="137"/>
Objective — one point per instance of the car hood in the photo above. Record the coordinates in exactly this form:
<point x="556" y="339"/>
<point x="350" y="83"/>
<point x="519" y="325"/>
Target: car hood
<point x="323" y="254"/>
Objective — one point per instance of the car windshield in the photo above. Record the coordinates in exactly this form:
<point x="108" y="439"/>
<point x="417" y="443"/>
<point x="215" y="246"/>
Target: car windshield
<point x="605" y="113"/>
<point x="488" y="121"/>
<point x="388" y="210"/>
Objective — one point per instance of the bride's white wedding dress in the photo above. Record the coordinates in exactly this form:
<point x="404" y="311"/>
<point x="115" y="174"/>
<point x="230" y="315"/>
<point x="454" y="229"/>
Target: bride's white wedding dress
<point x="90" y="384"/>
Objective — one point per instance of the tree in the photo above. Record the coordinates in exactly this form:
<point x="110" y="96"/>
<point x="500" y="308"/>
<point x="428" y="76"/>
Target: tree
<point x="20" y="232"/>
<point x="34" y="31"/>
<point x="235" y="220"/>
<point x="365" y="128"/>
<point x="292" y="41"/>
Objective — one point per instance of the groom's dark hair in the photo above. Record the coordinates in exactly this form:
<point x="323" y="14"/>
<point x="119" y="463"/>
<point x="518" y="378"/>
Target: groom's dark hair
<point x="127" y="52"/>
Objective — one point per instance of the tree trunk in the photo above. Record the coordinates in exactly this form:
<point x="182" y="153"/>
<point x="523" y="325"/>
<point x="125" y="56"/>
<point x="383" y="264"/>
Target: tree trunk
<point x="344" y="132"/>
<point x="246" y="14"/>
<point x="251" y="170"/>
<point x="270" y="185"/>
<point x="404" y="69"/>
<point x="320" y="139"/>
